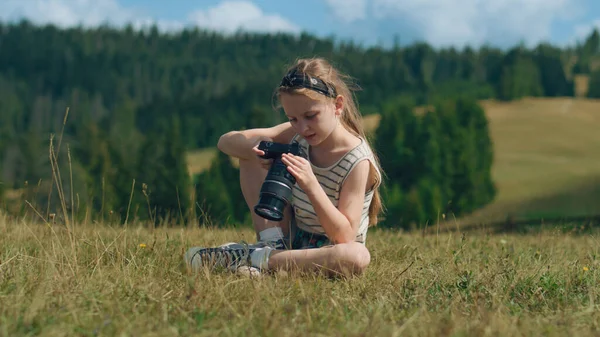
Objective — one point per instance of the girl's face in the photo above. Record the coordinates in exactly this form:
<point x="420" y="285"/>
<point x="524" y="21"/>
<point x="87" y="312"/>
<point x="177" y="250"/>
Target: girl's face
<point x="313" y="119"/>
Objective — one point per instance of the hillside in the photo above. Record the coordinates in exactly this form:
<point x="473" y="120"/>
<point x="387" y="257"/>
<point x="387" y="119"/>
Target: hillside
<point x="546" y="158"/>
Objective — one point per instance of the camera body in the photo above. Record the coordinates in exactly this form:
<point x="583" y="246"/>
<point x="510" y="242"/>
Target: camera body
<point x="274" y="150"/>
<point x="276" y="190"/>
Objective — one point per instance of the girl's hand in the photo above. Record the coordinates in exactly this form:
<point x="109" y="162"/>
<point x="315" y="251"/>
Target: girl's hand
<point x="265" y="163"/>
<point x="300" y="168"/>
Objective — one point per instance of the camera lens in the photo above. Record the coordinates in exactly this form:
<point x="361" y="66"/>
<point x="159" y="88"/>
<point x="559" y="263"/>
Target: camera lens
<point x="275" y="193"/>
<point x="270" y="207"/>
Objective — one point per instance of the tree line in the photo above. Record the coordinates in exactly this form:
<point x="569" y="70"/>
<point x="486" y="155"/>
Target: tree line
<point x="137" y="100"/>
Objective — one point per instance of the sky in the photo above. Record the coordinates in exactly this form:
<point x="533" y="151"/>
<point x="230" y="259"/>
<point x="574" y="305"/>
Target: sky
<point x="441" y="23"/>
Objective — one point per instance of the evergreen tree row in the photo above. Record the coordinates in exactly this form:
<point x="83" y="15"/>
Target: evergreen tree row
<point x="137" y="100"/>
<point x="437" y="163"/>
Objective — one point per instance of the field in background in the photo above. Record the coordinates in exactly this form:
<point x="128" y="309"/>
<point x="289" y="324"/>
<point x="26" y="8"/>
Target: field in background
<point x="582" y="85"/>
<point x="199" y="160"/>
<point x="547" y="158"/>
<point x="98" y="280"/>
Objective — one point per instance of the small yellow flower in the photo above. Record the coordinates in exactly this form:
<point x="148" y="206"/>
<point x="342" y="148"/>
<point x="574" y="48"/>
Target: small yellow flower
<point x="586" y="269"/>
<point x="142" y="245"/>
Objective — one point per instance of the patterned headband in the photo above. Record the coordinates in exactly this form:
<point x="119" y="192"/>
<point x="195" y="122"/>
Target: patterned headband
<point x="295" y="79"/>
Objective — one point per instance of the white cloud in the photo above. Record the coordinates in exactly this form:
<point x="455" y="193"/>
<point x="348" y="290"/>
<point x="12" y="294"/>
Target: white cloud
<point x="348" y="10"/>
<point x="65" y="13"/>
<point x="227" y="17"/>
<point x="443" y="22"/>
<point x="230" y="16"/>
<point x="473" y="22"/>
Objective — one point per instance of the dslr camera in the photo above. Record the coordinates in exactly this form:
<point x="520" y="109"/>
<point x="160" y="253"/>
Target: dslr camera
<point x="276" y="190"/>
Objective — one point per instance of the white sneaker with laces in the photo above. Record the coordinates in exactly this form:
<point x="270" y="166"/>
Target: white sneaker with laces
<point x="228" y="257"/>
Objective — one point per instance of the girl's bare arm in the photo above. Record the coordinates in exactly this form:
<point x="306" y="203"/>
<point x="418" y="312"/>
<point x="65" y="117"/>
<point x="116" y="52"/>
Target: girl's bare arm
<point x="239" y="144"/>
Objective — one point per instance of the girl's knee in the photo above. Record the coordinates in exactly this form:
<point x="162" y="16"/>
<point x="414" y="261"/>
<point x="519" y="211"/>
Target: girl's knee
<point x="361" y="258"/>
<point x="353" y="257"/>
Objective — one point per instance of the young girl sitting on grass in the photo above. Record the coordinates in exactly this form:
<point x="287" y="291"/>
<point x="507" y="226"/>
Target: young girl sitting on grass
<point x="335" y="198"/>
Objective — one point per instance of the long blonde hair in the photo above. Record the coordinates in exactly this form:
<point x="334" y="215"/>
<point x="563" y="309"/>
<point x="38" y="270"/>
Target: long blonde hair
<point x="351" y="118"/>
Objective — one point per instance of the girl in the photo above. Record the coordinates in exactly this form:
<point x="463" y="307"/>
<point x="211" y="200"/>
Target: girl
<point x="336" y="196"/>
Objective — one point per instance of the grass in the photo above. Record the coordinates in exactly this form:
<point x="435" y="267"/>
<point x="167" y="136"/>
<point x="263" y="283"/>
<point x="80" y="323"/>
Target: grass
<point x="98" y="280"/>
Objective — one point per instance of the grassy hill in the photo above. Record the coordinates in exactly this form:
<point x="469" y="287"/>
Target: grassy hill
<point x="547" y="158"/>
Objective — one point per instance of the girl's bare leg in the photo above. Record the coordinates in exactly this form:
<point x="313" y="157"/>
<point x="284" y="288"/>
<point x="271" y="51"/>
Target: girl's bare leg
<point x="252" y="176"/>
<point x="345" y="258"/>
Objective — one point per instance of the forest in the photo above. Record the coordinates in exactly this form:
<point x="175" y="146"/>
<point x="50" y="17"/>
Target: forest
<point x="95" y="123"/>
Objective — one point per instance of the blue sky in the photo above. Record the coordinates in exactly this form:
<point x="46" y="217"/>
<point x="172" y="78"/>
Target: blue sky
<point x="442" y="23"/>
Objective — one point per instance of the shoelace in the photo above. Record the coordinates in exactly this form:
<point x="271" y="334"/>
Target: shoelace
<point x="225" y="257"/>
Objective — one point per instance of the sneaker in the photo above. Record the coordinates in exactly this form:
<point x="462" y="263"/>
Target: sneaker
<point x="230" y="258"/>
<point x="276" y="244"/>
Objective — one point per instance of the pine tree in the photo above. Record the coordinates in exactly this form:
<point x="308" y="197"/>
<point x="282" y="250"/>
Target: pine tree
<point x="431" y="182"/>
<point x="520" y="76"/>
<point x="484" y="154"/>
<point x="429" y="148"/>
<point x="592" y="44"/>
<point x="414" y="208"/>
<point x="395" y="140"/>
<point x="212" y="194"/>
<point x="92" y="151"/>
<point x="586" y="53"/>
<point x="552" y="73"/>
<point x="231" y="180"/>
<point x="260" y="117"/>
<point x="448" y="136"/>
<point x="430" y="200"/>
<point x="472" y="185"/>
<point x="171" y="192"/>
<point x="395" y="216"/>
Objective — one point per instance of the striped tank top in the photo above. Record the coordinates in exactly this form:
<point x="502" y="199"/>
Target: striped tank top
<point x="331" y="180"/>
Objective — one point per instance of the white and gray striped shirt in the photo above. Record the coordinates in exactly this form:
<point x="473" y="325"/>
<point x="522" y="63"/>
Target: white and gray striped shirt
<point x="331" y="180"/>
